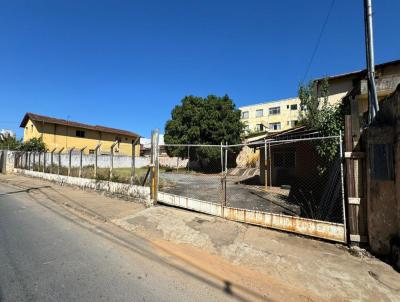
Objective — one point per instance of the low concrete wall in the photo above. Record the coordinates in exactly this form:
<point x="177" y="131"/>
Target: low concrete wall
<point x="104" y="161"/>
<point x="7" y="161"/>
<point x="136" y="192"/>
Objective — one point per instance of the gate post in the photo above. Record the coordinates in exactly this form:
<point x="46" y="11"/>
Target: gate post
<point x="356" y="201"/>
<point x="154" y="167"/>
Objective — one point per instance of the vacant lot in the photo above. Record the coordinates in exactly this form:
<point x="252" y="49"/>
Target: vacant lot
<point x="208" y="187"/>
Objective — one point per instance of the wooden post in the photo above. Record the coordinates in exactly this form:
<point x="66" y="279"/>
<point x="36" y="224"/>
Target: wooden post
<point x="154" y="166"/>
<point x="133" y="161"/>
<point x="112" y="159"/>
<point x="70" y="160"/>
<point x="96" y="149"/>
<point x="59" y="160"/>
<point x="356" y="201"/>
<point x="80" y="161"/>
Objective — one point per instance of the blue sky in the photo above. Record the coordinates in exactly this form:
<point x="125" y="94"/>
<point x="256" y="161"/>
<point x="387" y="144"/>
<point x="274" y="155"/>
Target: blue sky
<point x="126" y="64"/>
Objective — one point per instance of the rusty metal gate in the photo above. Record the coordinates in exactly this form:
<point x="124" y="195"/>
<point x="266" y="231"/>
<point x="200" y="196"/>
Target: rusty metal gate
<point x="290" y="184"/>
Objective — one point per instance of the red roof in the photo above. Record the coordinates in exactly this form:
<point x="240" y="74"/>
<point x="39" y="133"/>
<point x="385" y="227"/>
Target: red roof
<point x="52" y="120"/>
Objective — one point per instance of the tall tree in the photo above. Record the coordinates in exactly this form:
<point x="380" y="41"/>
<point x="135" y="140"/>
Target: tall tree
<point x="198" y="120"/>
<point x="318" y="114"/>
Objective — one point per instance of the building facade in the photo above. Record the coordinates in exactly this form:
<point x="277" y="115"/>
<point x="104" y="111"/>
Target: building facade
<point x="59" y="133"/>
<point x="271" y="116"/>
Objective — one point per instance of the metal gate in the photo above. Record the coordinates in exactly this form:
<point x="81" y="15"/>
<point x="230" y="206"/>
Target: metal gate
<point x="294" y="185"/>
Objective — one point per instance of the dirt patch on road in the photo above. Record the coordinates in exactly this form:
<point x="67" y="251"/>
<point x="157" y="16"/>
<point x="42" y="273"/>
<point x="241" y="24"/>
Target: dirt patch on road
<point x="240" y="282"/>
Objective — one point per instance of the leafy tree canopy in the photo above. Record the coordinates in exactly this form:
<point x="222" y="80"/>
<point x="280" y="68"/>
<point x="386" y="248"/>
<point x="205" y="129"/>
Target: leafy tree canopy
<point x="11" y="143"/>
<point x="320" y="115"/>
<point x="198" y="120"/>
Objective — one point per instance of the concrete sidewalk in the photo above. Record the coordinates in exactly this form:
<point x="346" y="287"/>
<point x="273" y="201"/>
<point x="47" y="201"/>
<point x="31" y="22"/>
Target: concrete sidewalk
<point x="324" y="271"/>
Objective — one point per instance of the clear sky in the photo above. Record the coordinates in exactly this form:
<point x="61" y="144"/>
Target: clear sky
<point x="126" y="64"/>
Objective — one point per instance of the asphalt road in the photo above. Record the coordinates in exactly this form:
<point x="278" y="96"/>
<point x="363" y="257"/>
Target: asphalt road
<point x="48" y="254"/>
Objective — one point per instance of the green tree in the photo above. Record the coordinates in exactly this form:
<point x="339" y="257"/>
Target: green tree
<point x="34" y="144"/>
<point x="318" y="114"/>
<point x="198" y="120"/>
<point x="10" y="143"/>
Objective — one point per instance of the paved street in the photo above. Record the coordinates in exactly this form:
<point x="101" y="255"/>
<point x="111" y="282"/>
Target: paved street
<point x="47" y="254"/>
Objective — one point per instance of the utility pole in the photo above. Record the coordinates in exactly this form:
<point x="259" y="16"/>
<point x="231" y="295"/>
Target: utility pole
<point x="373" y="104"/>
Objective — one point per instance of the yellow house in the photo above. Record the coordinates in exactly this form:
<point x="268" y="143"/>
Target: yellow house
<point x="271" y="116"/>
<point x="58" y="133"/>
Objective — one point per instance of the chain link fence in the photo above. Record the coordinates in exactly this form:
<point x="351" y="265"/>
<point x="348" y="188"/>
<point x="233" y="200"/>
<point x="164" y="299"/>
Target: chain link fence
<point x="195" y="172"/>
<point x="296" y="177"/>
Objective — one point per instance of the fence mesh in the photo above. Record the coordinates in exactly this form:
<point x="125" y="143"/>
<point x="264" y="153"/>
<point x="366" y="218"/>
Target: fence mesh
<point x="191" y="171"/>
<point x="294" y="177"/>
<point x="298" y="177"/>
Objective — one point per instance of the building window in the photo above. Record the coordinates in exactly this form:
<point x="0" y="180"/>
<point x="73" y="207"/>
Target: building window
<point x="293" y="123"/>
<point x="259" y="112"/>
<point x="274" y="110"/>
<point x="259" y="127"/>
<point x="275" y="126"/>
<point x="293" y="107"/>
<point x="245" y="114"/>
<point x="80" y="133"/>
<point x="91" y="151"/>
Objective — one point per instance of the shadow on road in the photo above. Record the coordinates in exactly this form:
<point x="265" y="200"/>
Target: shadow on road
<point x="27" y="190"/>
<point x="140" y="246"/>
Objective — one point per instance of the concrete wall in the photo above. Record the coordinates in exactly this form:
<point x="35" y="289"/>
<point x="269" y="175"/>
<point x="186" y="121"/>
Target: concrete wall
<point x="383" y="183"/>
<point x="7" y="160"/>
<point x="137" y="192"/>
<point x="103" y="161"/>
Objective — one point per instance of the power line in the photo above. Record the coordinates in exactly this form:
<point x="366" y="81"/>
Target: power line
<point x="318" y="40"/>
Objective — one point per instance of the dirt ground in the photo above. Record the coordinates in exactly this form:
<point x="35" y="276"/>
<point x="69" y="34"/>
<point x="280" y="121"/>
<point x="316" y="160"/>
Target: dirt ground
<point x="274" y="265"/>
<point x="208" y="187"/>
